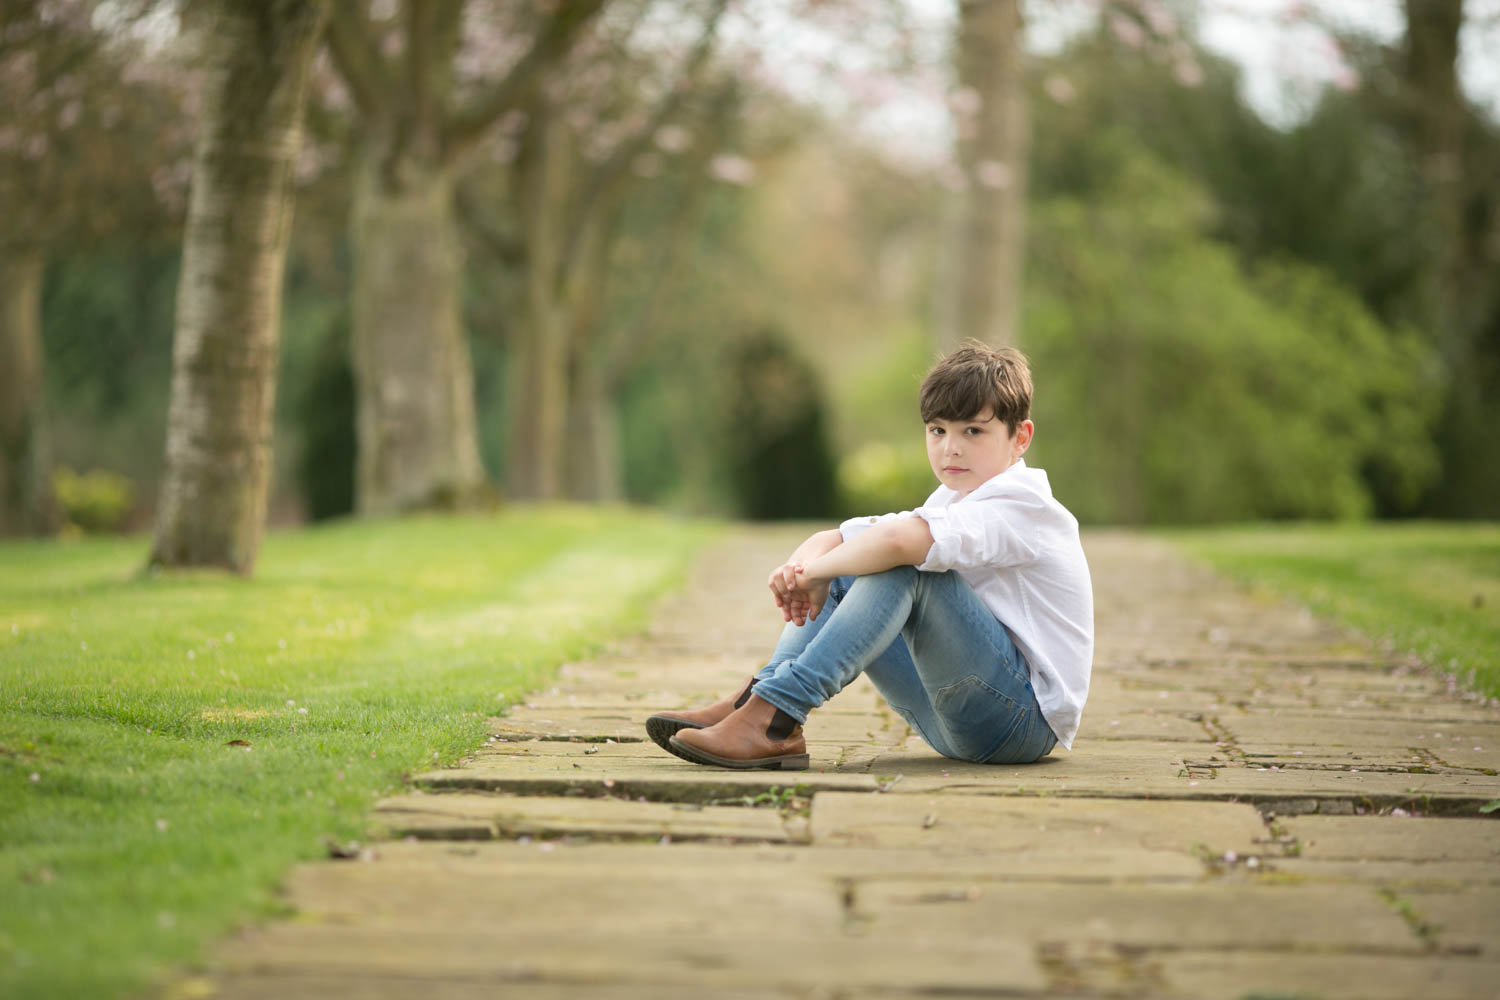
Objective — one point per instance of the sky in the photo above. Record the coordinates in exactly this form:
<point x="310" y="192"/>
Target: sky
<point x="1286" y="59"/>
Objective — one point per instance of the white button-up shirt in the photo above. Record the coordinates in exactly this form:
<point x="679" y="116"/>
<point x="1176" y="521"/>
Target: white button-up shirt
<point x="1019" y="549"/>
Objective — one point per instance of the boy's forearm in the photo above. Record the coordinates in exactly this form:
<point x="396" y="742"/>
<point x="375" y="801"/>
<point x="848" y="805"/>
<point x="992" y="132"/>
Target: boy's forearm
<point x="902" y="542"/>
<point x="817" y="544"/>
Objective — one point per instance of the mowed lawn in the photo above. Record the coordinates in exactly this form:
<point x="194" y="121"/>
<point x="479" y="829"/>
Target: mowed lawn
<point x="1432" y="589"/>
<point x="170" y="744"/>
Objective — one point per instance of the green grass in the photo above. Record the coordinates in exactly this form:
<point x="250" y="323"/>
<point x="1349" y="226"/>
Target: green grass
<point x="1431" y="589"/>
<point x="132" y="833"/>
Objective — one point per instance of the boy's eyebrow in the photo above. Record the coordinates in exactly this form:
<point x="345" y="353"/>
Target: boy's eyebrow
<point x="968" y="420"/>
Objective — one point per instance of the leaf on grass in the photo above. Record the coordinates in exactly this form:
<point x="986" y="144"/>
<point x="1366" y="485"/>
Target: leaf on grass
<point x="342" y="852"/>
<point x="238" y="743"/>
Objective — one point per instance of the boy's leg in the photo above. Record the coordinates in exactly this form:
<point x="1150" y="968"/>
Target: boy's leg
<point x="971" y="695"/>
<point x="662" y="726"/>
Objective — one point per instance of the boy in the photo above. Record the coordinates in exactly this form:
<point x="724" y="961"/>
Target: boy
<point x="973" y="614"/>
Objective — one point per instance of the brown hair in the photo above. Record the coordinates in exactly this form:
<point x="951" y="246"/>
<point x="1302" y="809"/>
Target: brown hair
<point x="974" y="378"/>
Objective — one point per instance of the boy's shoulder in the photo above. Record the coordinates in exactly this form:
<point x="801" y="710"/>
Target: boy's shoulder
<point x="1018" y="480"/>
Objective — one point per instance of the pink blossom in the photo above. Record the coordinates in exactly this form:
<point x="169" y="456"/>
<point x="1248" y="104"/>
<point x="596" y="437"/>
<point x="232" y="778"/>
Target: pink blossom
<point x="965" y="101"/>
<point x="1060" y="88"/>
<point x="1158" y="17"/>
<point x="1188" y="72"/>
<point x="673" y="138"/>
<point x="731" y="169"/>
<point x="996" y="176"/>
<point x="1127" y="30"/>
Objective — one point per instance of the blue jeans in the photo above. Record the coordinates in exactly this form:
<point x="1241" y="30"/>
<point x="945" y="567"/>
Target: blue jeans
<point x="932" y="649"/>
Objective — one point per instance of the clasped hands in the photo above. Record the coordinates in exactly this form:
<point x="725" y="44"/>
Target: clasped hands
<point x="799" y="595"/>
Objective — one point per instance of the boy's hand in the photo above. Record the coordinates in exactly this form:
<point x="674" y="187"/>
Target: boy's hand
<point x="797" y="600"/>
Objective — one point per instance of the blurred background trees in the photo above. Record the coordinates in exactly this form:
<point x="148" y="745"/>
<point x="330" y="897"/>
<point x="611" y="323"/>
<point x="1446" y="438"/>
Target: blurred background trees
<point x="585" y="251"/>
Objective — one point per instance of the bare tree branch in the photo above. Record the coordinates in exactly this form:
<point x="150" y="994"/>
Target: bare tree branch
<point x="432" y="28"/>
<point x="552" y="42"/>
<point x="358" y="60"/>
<point x="607" y="176"/>
<point x="507" y="248"/>
<point x="631" y="339"/>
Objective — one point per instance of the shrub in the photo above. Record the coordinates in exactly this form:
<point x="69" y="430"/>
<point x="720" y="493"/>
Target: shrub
<point x="776" y="442"/>
<point x="1176" y="385"/>
<point x="96" y="502"/>
<point x="878" y="478"/>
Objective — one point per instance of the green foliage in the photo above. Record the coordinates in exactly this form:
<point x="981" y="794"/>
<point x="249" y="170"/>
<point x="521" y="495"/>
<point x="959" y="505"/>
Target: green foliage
<point x="107" y="343"/>
<point x="880" y="477"/>
<point x="775" y="444"/>
<point x="97" y="501"/>
<point x="1428" y="588"/>
<point x="324" y="413"/>
<point x="133" y="831"/>
<point x="1173" y="385"/>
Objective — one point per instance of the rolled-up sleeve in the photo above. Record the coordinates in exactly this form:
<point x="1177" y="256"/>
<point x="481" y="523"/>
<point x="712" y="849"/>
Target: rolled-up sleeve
<point x="857" y="525"/>
<point x="988" y="532"/>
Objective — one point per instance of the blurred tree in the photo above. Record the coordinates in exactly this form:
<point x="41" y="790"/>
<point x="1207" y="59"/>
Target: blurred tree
<point x="1457" y="150"/>
<point x="571" y="185"/>
<point x="82" y="136"/>
<point x="991" y="120"/>
<point x="211" y="510"/>
<point x="1176" y="385"/>
<point x="420" y="117"/>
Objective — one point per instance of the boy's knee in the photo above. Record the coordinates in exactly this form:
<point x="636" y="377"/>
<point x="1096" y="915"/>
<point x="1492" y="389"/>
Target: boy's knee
<point x="902" y="574"/>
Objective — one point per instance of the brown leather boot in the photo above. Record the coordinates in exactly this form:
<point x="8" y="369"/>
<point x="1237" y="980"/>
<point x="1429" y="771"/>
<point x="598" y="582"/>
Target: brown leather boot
<point x="661" y="726"/>
<point x="757" y="734"/>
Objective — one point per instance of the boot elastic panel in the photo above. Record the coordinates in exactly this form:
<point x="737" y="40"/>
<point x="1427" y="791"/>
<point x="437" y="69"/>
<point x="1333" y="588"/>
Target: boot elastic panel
<point x="781" y="726"/>
<point x="745" y="694"/>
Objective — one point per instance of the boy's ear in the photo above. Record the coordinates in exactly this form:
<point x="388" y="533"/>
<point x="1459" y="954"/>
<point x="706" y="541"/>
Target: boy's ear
<point x="1024" y="430"/>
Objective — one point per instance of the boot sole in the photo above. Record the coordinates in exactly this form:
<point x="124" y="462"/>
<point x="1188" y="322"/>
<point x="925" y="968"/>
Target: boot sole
<point x="661" y="729"/>
<point x="786" y="762"/>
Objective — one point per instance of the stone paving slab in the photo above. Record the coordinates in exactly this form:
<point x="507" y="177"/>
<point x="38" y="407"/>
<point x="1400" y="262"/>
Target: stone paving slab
<point x="1390" y="838"/>
<point x="1406" y="873"/>
<point x="581" y="957"/>
<point x="1459" y="920"/>
<point x="1102" y="723"/>
<point x="1144" y="917"/>
<point x="665" y="779"/>
<point x="356" y="985"/>
<point x="1213" y="974"/>
<point x="833" y="866"/>
<point x="488" y="817"/>
<point x="918" y="822"/>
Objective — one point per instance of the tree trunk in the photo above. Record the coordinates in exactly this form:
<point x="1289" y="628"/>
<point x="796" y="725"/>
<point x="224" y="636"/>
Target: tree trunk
<point x="539" y="343"/>
<point x="418" y="441"/>
<point x="592" y="456"/>
<point x="1464" y="304"/>
<point x="1436" y="133"/>
<point x="213" y="498"/>
<point x="25" y="488"/>
<point x="992" y="128"/>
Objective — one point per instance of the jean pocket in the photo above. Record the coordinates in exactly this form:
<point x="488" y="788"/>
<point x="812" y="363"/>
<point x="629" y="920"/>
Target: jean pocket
<point x="977" y="719"/>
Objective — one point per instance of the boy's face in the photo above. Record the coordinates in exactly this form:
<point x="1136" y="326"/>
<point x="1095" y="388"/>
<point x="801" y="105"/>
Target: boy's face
<point x="965" y="453"/>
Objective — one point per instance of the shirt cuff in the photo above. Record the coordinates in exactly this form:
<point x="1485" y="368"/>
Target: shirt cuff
<point x="945" y="541"/>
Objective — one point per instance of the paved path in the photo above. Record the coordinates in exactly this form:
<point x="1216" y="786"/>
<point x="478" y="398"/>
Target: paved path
<point x="1257" y="804"/>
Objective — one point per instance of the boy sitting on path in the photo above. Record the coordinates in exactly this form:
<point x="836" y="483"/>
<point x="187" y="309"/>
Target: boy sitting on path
<point x="972" y="614"/>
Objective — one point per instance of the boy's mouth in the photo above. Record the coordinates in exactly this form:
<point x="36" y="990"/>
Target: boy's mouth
<point x="953" y="468"/>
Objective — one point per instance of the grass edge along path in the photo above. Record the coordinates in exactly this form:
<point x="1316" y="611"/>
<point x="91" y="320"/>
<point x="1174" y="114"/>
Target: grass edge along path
<point x="1431" y="589"/>
<point x="171" y="744"/>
